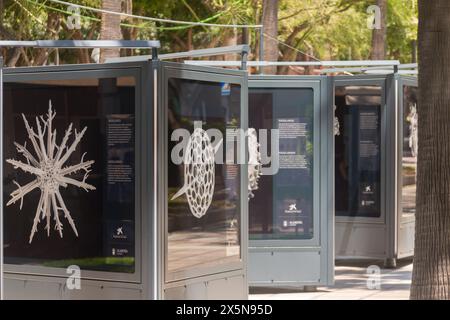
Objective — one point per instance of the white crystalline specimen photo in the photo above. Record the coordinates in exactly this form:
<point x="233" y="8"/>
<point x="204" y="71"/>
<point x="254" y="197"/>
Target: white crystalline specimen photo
<point x="47" y="164"/>
<point x="254" y="162"/>
<point x="413" y="133"/>
<point x="199" y="172"/>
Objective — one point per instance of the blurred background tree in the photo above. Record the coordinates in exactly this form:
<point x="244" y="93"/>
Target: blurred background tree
<point x="307" y="29"/>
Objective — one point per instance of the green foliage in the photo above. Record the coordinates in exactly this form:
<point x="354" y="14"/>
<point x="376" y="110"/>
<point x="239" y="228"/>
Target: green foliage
<point x="337" y="29"/>
<point x="326" y="29"/>
<point x="402" y="29"/>
<point x="340" y="29"/>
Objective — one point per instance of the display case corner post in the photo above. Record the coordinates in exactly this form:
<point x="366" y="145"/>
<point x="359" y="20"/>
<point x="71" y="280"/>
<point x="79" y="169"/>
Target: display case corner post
<point x="244" y="57"/>
<point x="396" y="69"/>
<point x="1" y="178"/>
<point x="155" y="54"/>
<point x="390" y="263"/>
<point x="328" y="103"/>
<point x="391" y="179"/>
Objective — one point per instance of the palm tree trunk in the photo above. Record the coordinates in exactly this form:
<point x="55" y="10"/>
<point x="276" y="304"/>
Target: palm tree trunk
<point x="270" y="23"/>
<point x="231" y="40"/>
<point x="379" y="35"/>
<point x="129" y="33"/>
<point x="431" y="267"/>
<point x="110" y="27"/>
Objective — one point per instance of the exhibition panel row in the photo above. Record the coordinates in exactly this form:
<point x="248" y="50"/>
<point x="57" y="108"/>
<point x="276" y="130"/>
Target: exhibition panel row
<point x="133" y="176"/>
<point x="362" y="204"/>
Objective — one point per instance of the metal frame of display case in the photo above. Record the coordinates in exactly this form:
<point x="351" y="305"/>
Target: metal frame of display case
<point x="1" y="177"/>
<point x="354" y="232"/>
<point x="384" y="237"/>
<point x="186" y="285"/>
<point x="302" y="262"/>
<point x="356" y="65"/>
<point x="224" y="281"/>
<point x="150" y="279"/>
<point x="405" y="229"/>
<point x="88" y="72"/>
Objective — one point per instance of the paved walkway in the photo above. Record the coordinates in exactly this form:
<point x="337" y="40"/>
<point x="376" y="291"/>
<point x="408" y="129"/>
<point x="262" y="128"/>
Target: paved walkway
<point x="351" y="283"/>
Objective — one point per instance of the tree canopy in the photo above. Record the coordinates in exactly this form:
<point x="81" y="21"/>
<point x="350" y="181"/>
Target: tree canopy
<point x="324" y="29"/>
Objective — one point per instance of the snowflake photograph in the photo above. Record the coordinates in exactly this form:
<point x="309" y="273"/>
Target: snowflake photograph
<point x="47" y="164"/>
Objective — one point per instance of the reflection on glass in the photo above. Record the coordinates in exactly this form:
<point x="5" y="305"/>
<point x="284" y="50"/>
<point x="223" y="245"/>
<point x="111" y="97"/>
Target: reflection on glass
<point x="196" y="238"/>
<point x="409" y="159"/>
<point x="357" y="151"/>
<point x="283" y="204"/>
<point x="104" y="217"/>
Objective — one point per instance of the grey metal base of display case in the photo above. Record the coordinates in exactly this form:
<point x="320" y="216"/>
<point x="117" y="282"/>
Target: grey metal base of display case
<point x="19" y="287"/>
<point x="232" y="285"/>
<point x="406" y="239"/>
<point x="288" y="267"/>
<point x="360" y="240"/>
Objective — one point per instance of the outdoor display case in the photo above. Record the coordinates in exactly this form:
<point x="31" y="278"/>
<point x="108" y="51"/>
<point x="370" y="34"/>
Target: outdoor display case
<point x="100" y="201"/>
<point x="291" y="217"/>
<point x="375" y="166"/>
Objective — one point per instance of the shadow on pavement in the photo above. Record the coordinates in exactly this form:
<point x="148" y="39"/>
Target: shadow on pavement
<point x="275" y="290"/>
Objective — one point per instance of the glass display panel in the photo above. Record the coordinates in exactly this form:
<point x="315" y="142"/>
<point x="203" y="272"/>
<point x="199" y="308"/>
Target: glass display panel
<point x="409" y="157"/>
<point x="282" y="207"/>
<point x="203" y="221"/>
<point x="357" y="151"/>
<point x="69" y="174"/>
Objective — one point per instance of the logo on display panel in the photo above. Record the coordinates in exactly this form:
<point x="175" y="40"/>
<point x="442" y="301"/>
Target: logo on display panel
<point x="292" y="208"/>
<point x="47" y="164"/>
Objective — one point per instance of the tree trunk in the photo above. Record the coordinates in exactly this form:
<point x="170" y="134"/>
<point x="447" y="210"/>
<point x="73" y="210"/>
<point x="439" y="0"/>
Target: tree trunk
<point x="379" y="35"/>
<point x="231" y="40"/>
<point x="431" y="267"/>
<point x="288" y="53"/>
<point x="129" y="33"/>
<point x="270" y="23"/>
<point x="41" y="56"/>
<point x="190" y="46"/>
<point x="12" y="61"/>
<point x="414" y="51"/>
<point x="1" y="10"/>
<point x="82" y="54"/>
<point x="110" y="28"/>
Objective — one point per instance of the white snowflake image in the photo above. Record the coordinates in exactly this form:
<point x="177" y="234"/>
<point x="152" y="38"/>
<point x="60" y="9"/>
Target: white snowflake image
<point x="254" y="162"/>
<point x="413" y="124"/>
<point x="199" y="172"/>
<point x="336" y="125"/>
<point x="47" y="165"/>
